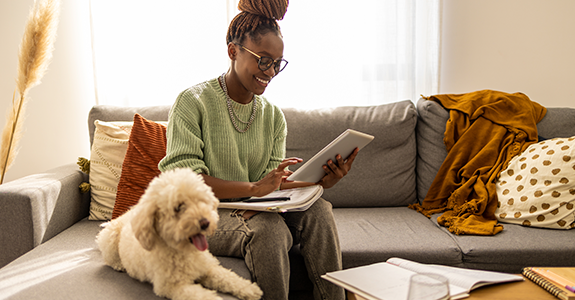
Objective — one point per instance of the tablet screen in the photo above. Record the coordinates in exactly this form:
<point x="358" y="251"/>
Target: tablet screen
<point x="344" y="144"/>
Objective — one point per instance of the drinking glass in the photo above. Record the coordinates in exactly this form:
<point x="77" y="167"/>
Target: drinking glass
<point x="426" y="286"/>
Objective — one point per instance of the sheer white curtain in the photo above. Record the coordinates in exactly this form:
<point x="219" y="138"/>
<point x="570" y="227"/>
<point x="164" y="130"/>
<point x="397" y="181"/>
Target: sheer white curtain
<point x="340" y="53"/>
<point x="145" y="51"/>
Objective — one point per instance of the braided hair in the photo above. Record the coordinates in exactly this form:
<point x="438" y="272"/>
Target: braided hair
<point x="257" y="17"/>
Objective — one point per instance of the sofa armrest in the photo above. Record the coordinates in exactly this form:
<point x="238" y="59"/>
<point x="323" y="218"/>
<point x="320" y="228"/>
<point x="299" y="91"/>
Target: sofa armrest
<point x="35" y="208"/>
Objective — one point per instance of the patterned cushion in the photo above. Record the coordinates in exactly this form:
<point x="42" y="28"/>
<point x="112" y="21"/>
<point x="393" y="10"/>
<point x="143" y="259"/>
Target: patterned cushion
<point x="538" y="187"/>
<point x="106" y="157"/>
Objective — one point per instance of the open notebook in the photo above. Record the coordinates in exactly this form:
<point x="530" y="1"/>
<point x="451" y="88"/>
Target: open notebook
<point x="390" y="279"/>
<point x="300" y="199"/>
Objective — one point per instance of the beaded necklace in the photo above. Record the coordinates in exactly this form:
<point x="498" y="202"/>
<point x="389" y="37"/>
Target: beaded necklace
<point x="233" y="115"/>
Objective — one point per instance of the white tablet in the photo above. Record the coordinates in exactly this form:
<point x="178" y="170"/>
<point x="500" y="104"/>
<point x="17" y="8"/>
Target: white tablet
<point x="344" y="144"/>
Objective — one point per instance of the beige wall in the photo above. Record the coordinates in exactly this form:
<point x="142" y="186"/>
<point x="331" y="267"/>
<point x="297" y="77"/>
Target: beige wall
<point x="511" y="45"/>
<point x="55" y="128"/>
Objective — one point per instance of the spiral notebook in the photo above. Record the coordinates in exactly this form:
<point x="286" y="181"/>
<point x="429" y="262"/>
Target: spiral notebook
<point x="553" y="280"/>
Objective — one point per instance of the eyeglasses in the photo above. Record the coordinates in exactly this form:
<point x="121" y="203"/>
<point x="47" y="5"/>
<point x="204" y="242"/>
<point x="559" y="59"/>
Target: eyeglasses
<point x="265" y="62"/>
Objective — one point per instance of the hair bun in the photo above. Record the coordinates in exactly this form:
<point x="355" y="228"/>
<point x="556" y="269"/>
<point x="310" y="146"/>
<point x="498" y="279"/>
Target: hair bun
<point x="273" y="9"/>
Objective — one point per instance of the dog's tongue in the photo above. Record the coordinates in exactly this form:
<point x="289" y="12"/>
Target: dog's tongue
<point x="199" y="240"/>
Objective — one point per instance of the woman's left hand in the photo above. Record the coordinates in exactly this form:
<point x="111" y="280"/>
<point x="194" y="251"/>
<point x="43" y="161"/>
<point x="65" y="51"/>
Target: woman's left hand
<point x="335" y="171"/>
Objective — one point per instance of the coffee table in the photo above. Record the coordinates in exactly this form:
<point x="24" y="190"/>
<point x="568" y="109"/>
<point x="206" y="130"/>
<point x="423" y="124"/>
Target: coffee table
<point x="519" y="290"/>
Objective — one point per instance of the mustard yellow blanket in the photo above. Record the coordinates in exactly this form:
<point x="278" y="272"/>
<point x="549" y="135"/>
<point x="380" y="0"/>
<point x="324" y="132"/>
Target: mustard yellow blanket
<point x="484" y="131"/>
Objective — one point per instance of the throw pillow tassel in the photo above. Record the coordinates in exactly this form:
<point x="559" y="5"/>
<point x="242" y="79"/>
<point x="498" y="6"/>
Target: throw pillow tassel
<point x="84" y="167"/>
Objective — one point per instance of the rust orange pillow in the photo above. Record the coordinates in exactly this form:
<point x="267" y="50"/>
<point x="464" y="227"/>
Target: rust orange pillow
<point x="146" y="147"/>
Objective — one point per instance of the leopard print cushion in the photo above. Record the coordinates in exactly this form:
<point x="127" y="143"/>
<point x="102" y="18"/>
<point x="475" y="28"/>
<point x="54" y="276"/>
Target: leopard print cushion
<point x="538" y="187"/>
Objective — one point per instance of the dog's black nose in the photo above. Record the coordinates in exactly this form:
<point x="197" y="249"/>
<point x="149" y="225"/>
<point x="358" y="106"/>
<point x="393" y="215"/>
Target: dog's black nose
<point x="204" y="223"/>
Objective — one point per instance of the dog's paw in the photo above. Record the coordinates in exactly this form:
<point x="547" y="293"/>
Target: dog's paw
<point x="251" y="292"/>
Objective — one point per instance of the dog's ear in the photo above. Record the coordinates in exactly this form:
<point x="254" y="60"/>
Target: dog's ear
<point x="143" y="224"/>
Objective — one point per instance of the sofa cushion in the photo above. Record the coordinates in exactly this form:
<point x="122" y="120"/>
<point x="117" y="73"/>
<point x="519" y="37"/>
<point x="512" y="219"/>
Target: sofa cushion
<point x="558" y="122"/>
<point x="384" y="171"/>
<point x="70" y="266"/>
<point x="431" y="152"/>
<point x="538" y="187"/>
<point x="106" y="157"/>
<point x="516" y="247"/>
<point x="370" y="235"/>
<point x="146" y="147"/>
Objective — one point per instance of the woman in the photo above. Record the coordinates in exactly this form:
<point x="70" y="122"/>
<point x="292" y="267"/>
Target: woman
<point x="227" y="132"/>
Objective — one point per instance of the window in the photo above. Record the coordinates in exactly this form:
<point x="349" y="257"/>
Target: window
<point x="363" y="52"/>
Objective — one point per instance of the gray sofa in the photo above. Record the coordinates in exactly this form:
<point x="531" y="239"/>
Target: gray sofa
<point x="48" y="249"/>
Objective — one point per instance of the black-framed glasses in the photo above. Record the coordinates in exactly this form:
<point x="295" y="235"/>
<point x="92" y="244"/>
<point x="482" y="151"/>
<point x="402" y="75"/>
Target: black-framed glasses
<point x="265" y="62"/>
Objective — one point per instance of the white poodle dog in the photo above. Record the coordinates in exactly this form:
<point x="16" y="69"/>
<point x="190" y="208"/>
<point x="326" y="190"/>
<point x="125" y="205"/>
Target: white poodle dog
<point x="162" y="240"/>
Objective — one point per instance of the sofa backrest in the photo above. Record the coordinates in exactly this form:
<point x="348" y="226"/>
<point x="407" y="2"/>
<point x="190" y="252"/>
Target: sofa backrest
<point x="110" y="113"/>
<point x="383" y="174"/>
<point x="432" y="118"/>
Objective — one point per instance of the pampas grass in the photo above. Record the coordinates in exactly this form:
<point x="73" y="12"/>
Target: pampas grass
<point x="33" y="59"/>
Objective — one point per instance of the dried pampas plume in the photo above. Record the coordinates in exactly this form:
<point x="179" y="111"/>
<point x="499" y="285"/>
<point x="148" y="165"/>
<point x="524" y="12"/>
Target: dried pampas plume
<point x="33" y="60"/>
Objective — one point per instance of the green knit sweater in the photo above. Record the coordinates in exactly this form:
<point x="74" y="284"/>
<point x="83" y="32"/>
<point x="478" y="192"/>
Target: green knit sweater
<point x="201" y="135"/>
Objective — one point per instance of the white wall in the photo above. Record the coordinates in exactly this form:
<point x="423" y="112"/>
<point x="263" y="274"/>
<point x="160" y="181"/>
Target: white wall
<point x="55" y="128"/>
<point x="513" y="46"/>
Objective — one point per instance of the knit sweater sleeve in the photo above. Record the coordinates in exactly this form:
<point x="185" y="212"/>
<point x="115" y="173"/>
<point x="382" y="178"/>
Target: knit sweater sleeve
<point x="184" y="143"/>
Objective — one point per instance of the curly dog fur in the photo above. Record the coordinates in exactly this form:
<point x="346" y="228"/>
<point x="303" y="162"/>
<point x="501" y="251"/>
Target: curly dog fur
<point x="162" y="240"/>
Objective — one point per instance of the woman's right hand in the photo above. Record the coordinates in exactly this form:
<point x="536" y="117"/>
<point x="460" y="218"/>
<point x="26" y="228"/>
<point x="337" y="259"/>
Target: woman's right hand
<point x="273" y="179"/>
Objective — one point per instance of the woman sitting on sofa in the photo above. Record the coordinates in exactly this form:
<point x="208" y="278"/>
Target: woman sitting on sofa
<point x="227" y="132"/>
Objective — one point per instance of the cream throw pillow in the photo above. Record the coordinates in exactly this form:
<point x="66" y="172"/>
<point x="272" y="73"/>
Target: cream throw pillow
<point x="108" y="151"/>
<point x="538" y="187"/>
